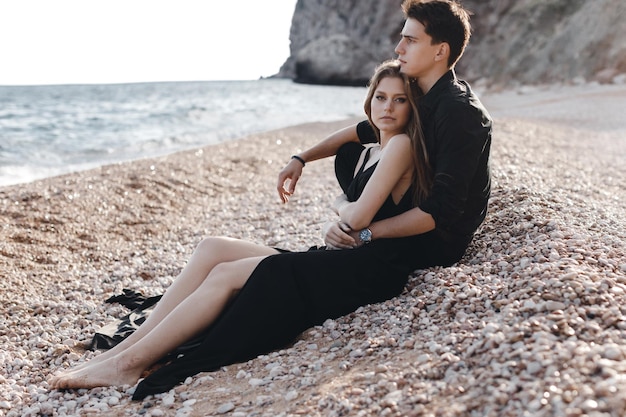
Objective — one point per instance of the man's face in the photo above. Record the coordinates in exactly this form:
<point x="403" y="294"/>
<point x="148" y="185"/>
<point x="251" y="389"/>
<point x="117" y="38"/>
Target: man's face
<point x="415" y="50"/>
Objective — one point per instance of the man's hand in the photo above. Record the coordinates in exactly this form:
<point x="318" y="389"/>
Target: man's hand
<point x="291" y="172"/>
<point x="338" y="235"/>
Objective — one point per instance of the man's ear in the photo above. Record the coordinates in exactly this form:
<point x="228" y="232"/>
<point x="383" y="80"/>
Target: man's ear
<point x="443" y="52"/>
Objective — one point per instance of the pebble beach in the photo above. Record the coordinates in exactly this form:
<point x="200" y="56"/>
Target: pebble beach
<point x="531" y="322"/>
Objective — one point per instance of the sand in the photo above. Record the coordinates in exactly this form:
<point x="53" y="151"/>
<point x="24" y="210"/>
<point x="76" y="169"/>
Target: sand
<point x="531" y="322"/>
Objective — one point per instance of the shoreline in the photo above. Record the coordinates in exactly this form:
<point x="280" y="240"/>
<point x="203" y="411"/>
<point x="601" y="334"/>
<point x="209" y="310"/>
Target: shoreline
<point x="538" y="103"/>
<point x="534" y="307"/>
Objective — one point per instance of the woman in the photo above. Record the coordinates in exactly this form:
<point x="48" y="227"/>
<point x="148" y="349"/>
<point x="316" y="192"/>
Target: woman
<point x="279" y="293"/>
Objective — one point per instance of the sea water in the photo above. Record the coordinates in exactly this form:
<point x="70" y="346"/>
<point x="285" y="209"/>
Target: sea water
<point x="52" y="130"/>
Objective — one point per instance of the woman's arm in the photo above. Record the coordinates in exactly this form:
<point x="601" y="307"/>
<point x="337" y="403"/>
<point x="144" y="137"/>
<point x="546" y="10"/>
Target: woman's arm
<point x="395" y="161"/>
<point x="328" y="147"/>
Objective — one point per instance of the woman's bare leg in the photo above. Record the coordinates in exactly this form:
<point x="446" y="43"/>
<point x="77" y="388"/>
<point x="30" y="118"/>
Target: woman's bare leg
<point x="209" y="253"/>
<point x="187" y="319"/>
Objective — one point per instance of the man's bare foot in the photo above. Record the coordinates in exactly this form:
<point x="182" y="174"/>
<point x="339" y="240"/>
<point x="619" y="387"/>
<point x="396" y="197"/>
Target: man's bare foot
<point x="105" y="373"/>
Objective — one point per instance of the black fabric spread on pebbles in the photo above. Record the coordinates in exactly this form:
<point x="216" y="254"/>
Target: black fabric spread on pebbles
<point x="113" y="333"/>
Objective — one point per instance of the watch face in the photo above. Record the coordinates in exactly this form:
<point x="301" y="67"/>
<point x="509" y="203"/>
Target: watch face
<point x="365" y="235"/>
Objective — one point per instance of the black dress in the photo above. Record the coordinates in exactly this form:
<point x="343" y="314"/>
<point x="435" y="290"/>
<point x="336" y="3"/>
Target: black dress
<point x="292" y="291"/>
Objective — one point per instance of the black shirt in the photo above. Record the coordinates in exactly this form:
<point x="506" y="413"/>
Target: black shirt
<point x="457" y="131"/>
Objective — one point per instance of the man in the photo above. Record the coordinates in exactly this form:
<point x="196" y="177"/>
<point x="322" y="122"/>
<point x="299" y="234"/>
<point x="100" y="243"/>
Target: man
<point x="457" y="131"/>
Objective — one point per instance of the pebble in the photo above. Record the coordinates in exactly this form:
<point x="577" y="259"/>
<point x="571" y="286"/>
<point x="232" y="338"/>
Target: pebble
<point x="225" y="408"/>
<point x="255" y="382"/>
<point x="291" y="395"/>
<point x="189" y="403"/>
<point x="168" y="400"/>
<point x="554" y="305"/>
<point x="612" y="351"/>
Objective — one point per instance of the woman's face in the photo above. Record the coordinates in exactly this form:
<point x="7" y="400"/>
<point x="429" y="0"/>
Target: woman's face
<point x="390" y="106"/>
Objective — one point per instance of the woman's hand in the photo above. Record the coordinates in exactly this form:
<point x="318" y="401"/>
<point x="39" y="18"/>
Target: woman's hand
<point x="291" y="173"/>
<point x="338" y="235"/>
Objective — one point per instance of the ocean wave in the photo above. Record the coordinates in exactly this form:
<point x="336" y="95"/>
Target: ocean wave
<point x="51" y="130"/>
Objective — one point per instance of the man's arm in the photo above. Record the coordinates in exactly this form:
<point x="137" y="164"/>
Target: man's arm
<point x="328" y="147"/>
<point x="409" y="223"/>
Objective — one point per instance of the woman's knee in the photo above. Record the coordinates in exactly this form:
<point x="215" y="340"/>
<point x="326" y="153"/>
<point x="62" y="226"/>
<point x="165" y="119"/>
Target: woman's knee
<point x="212" y="246"/>
<point x="225" y="277"/>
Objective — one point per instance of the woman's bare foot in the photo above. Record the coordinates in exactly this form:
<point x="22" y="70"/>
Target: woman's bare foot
<point x="104" y="355"/>
<point x="106" y="373"/>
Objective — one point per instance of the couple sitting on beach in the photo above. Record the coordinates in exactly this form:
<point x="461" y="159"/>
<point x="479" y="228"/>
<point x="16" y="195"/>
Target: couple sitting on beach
<point x="415" y="181"/>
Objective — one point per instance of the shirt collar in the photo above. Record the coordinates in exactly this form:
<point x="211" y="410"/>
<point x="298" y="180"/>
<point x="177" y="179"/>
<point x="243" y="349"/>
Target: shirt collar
<point x="428" y="99"/>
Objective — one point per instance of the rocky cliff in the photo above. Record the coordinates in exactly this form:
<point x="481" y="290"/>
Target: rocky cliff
<point x="341" y="41"/>
<point x="513" y="41"/>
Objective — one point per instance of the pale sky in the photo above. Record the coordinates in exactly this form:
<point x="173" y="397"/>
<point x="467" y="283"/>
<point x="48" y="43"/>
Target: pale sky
<point x="115" y="41"/>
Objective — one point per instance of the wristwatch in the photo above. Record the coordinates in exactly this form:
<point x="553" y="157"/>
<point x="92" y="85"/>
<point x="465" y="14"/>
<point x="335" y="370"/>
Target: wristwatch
<point x="365" y="235"/>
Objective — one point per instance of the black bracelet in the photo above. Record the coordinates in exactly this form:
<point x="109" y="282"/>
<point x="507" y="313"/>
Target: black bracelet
<point x="299" y="159"/>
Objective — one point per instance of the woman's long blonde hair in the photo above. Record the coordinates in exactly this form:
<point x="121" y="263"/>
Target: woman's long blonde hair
<point x="422" y="173"/>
